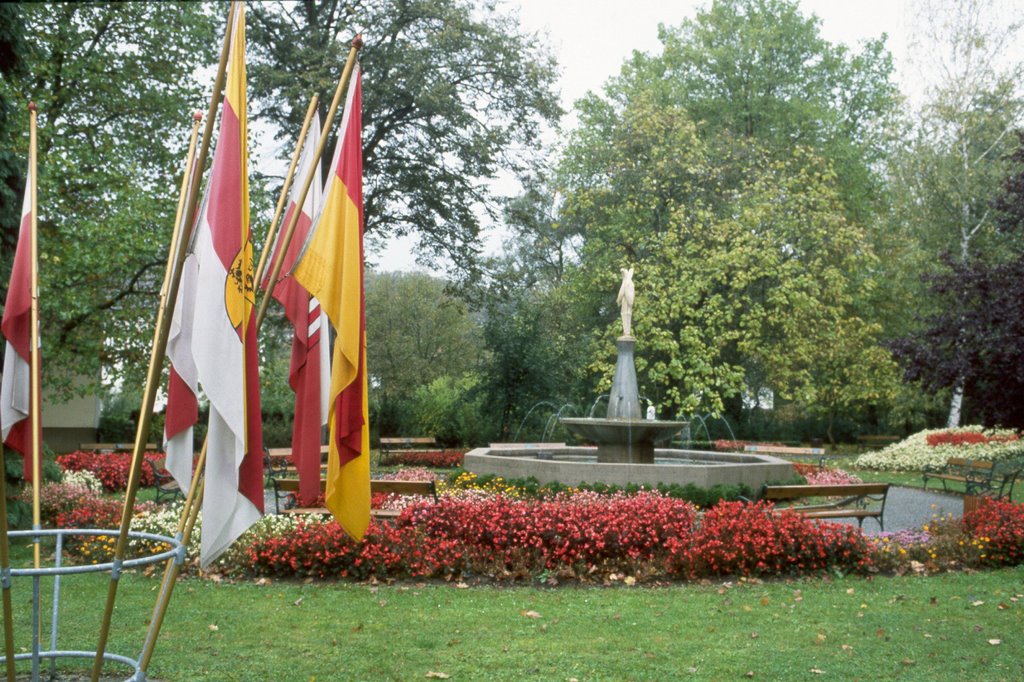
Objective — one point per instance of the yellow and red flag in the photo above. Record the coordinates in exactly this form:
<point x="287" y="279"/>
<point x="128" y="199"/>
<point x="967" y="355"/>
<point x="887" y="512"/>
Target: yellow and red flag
<point x="222" y="327"/>
<point x="15" y="391"/>
<point x="331" y="268"/>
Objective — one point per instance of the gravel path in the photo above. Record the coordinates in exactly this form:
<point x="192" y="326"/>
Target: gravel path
<point x="911" y="508"/>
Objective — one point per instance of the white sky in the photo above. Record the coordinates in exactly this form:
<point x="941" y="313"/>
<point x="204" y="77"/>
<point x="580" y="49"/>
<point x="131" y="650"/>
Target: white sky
<point x="591" y="39"/>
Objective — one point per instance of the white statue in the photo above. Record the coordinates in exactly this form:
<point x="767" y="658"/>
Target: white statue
<point x="625" y="301"/>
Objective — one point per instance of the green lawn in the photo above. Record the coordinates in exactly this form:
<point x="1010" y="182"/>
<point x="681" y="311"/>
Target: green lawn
<point x="949" y="627"/>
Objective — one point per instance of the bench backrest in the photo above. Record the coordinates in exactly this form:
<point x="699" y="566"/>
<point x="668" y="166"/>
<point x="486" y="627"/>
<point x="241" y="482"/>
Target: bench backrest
<point x="427" y="488"/>
<point x="114" y="447"/>
<point x="783" y="450"/>
<point x="786" y="492"/>
<point x="982" y="465"/>
<point x="408" y="441"/>
<point x="287" y="452"/>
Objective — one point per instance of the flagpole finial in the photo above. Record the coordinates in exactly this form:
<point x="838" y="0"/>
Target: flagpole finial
<point x="357" y="42"/>
<point x="197" y="116"/>
<point x="32" y="106"/>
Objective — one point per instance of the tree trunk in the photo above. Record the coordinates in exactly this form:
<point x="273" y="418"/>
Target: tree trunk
<point x="955" y="404"/>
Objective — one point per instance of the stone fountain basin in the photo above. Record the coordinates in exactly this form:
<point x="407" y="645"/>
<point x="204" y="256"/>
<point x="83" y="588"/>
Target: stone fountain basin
<point x="551" y="462"/>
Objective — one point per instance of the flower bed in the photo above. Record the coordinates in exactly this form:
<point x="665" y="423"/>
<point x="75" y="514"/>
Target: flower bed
<point x="829" y="476"/>
<point x="582" y="536"/>
<point x="936" y="446"/>
<point x="442" y="459"/>
<point x="111" y="468"/>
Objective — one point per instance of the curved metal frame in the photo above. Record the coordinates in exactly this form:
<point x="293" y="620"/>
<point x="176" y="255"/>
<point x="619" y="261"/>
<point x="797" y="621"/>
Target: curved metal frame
<point x="175" y="552"/>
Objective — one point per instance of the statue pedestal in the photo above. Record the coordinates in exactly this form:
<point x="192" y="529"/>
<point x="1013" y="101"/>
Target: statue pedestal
<point x="624" y="400"/>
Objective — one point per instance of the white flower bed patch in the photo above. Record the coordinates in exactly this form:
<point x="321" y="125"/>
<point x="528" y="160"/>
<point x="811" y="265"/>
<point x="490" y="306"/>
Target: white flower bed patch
<point x="914" y="453"/>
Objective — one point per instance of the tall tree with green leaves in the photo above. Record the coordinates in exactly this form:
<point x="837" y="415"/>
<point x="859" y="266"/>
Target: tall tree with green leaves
<point x="761" y="70"/>
<point x="745" y="265"/>
<point x="115" y="88"/>
<point x="453" y="93"/>
<point x="952" y="168"/>
<point x="12" y="164"/>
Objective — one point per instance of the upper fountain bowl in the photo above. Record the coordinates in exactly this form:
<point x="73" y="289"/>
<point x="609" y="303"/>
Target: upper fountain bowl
<point x="628" y="441"/>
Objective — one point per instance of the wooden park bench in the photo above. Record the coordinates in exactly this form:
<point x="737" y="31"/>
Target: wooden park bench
<point x="278" y="461"/>
<point x="285" y="490"/>
<point x="979" y="478"/>
<point x="975" y="475"/>
<point x="391" y="446"/>
<point x="114" y="447"/>
<point x="875" y="442"/>
<point x="818" y="453"/>
<point x="852" y="503"/>
<point x="167" y="489"/>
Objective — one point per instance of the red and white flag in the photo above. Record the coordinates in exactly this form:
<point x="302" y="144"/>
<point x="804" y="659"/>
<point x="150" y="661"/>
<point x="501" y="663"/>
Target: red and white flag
<point x="218" y="323"/>
<point x="310" y="373"/>
<point x="15" y="390"/>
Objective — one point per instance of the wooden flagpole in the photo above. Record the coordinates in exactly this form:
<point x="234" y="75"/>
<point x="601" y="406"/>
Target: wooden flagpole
<point x="286" y="236"/>
<point x="281" y="201"/>
<point x="168" y="297"/>
<point x="195" y="495"/>
<point x="5" y="556"/>
<point x="5" y="577"/>
<point x="35" y="399"/>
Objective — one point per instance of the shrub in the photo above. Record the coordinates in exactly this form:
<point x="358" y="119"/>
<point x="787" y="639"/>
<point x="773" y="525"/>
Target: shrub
<point x="427" y="458"/>
<point x="936" y="446"/>
<point x="111" y="468"/>
<point x="752" y="539"/>
<point x="998" y="528"/>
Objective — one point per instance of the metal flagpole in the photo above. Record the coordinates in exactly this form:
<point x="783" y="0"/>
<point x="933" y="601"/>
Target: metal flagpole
<point x="168" y="297"/>
<point x="272" y="230"/>
<point x="196" y="490"/>
<point x="286" y="236"/>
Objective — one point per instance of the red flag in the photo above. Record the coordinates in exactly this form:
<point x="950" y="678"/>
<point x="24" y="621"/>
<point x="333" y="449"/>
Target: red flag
<point x="309" y="374"/>
<point x="16" y="391"/>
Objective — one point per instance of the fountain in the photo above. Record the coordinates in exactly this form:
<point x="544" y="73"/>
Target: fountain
<point x="625" y="442"/>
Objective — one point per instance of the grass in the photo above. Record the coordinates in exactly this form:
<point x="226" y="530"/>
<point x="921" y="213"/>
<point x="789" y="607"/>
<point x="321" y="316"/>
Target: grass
<point x="911" y="628"/>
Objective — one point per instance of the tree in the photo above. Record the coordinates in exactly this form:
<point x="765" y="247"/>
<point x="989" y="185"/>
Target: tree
<point x="958" y="159"/>
<point x="760" y="69"/>
<point x="12" y="164"/>
<point x="115" y="91"/>
<point x="745" y="265"/>
<point x="415" y="333"/>
<point x="976" y="341"/>
<point x="453" y="93"/>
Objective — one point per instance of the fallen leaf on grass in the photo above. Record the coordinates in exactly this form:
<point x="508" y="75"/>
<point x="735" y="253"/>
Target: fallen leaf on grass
<point x="754" y="635"/>
<point x="629" y="580"/>
<point x="462" y="586"/>
<point x="907" y="662"/>
<point x="213" y="628"/>
<point x="977" y="603"/>
<point x="750" y="673"/>
<point x="817" y="671"/>
<point x="297" y="602"/>
<point x="995" y="642"/>
<point x="765" y="601"/>
<point x="820" y="638"/>
<point x="530" y="614"/>
<point x="850" y="591"/>
<point x="847" y="647"/>
<point x="879" y="632"/>
<point x="436" y="675"/>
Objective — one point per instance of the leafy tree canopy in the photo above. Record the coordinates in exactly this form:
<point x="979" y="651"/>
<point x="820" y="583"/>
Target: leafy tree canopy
<point x="115" y="89"/>
<point x="453" y="93"/>
<point x="759" y="69"/>
<point x="745" y="266"/>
